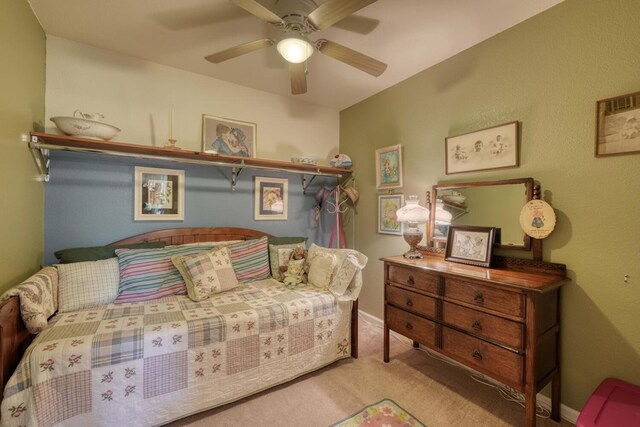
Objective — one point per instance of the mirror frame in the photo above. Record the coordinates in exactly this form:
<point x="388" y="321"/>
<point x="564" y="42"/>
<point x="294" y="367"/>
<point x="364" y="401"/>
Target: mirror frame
<point x="527" y="182"/>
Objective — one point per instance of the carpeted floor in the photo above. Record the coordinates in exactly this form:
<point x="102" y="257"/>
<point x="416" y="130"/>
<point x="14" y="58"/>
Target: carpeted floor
<point x="438" y="394"/>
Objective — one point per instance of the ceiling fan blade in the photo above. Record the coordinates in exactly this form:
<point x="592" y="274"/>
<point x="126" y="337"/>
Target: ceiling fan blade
<point x="332" y="11"/>
<point x="351" y="57"/>
<point x="239" y="50"/>
<point x="298" y="78"/>
<point x="255" y="8"/>
<point x="357" y="24"/>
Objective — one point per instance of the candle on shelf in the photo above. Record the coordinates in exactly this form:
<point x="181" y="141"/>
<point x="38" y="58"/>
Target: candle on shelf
<point x="171" y="123"/>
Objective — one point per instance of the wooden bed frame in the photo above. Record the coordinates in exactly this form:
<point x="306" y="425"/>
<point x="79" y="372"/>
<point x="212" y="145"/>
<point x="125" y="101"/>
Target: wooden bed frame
<point x="14" y="337"/>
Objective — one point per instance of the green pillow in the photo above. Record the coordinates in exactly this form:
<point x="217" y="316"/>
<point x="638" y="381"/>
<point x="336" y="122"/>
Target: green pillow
<point x="96" y="253"/>
<point x="273" y="240"/>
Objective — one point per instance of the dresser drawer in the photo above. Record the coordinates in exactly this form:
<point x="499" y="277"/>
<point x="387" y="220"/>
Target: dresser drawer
<point x="411" y="326"/>
<point x="479" y="295"/>
<point x="412" y="301"/>
<point x="427" y="282"/>
<point x="487" y="358"/>
<point x="493" y="328"/>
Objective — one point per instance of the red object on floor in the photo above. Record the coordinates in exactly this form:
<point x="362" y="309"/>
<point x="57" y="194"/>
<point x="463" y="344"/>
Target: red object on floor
<point x="615" y="403"/>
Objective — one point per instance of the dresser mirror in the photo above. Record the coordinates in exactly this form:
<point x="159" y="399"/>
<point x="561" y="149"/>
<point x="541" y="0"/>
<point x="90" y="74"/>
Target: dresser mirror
<point x="485" y="203"/>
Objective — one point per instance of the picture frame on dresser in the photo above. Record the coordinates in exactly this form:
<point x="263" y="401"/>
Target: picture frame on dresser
<point x="470" y="245"/>
<point x="158" y="194"/>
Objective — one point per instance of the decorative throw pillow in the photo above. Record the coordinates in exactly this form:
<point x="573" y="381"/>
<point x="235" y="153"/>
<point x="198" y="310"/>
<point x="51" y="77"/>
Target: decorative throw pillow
<point x="206" y="273"/>
<point x="279" y="256"/>
<point x="275" y="240"/>
<point x="38" y="298"/>
<point x="87" y="284"/>
<point x="250" y="260"/>
<point x="321" y="269"/>
<point x="346" y="276"/>
<point x="147" y="274"/>
<point x="96" y="253"/>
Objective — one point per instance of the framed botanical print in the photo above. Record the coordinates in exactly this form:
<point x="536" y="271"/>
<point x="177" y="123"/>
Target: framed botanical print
<point x="389" y="167"/>
<point x="228" y="137"/>
<point x="388" y="204"/>
<point x="158" y="194"/>
<point x="271" y="198"/>
<point x="618" y="125"/>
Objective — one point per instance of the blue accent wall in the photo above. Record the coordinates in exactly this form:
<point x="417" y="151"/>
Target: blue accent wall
<point x="89" y="201"/>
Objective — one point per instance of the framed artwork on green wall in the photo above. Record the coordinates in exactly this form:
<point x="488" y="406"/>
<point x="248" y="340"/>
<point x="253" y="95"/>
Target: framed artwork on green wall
<point x="389" y="167"/>
<point x="495" y="147"/>
<point x="618" y="125"/>
<point x="388" y="204"/>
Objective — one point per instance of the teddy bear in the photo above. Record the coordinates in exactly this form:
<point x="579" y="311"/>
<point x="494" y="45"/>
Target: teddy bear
<point x="296" y="270"/>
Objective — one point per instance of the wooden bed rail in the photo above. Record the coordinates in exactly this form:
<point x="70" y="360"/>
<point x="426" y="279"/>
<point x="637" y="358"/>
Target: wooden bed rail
<point x="14" y="338"/>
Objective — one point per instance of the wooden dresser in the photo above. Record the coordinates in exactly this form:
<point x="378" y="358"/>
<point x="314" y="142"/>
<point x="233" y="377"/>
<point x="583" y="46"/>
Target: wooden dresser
<point x="502" y="322"/>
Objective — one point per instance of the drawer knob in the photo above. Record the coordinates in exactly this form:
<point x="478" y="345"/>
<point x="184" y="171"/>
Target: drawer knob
<point x="477" y="326"/>
<point x="411" y="280"/>
<point x="409" y="302"/>
<point x="476" y="354"/>
<point x="409" y="326"/>
<point x="479" y="298"/>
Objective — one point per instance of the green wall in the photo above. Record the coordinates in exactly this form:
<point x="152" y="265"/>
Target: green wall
<point x="547" y="72"/>
<point x="22" y="79"/>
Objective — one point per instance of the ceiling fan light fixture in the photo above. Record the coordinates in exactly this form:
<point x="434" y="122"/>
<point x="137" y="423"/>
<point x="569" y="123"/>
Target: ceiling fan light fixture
<point x="295" y="49"/>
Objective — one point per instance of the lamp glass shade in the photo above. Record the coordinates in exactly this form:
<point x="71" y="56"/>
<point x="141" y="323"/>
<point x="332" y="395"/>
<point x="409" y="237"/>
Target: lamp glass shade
<point x="411" y="214"/>
<point x="443" y="216"/>
<point x="412" y="211"/>
<point x="295" y="49"/>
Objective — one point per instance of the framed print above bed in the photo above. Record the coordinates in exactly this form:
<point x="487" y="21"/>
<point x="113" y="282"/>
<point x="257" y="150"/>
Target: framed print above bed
<point x="271" y="199"/>
<point x="495" y="147"/>
<point x="158" y="194"/>
<point x="228" y="137"/>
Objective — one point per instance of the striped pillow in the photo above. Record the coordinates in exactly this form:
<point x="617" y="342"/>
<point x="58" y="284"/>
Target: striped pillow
<point x="147" y="274"/>
<point x="250" y="260"/>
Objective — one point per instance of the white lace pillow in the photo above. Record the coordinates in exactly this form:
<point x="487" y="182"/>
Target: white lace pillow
<point x="346" y="275"/>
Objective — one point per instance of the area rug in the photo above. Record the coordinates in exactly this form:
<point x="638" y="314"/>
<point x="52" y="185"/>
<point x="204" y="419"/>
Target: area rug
<point x="384" y="413"/>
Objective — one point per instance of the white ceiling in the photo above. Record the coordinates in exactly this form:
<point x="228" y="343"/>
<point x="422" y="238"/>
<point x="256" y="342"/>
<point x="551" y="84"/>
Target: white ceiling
<point x="409" y="35"/>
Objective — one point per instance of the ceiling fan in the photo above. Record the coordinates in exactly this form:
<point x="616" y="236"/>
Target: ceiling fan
<point x="297" y="19"/>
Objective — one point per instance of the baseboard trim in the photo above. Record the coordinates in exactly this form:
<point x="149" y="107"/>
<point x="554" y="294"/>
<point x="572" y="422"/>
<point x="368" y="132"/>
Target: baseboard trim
<point x="567" y="413"/>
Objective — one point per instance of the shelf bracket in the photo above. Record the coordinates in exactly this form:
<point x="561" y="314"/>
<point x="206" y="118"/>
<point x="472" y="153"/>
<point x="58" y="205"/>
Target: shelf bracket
<point x="235" y="173"/>
<point x="40" y="157"/>
<point x="306" y="184"/>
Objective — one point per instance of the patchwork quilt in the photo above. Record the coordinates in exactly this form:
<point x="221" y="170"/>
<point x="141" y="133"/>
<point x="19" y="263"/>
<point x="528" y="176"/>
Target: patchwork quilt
<point x="148" y="363"/>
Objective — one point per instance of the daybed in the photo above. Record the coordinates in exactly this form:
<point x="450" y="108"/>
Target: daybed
<point x="150" y="362"/>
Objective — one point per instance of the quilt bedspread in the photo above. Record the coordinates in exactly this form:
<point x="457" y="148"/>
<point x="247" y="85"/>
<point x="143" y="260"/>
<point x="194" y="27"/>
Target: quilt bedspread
<point x="149" y="363"/>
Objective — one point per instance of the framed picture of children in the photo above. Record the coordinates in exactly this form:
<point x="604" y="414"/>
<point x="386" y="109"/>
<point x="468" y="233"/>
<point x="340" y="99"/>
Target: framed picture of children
<point x="271" y="198"/>
<point x="389" y="167"/>
<point x="159" y="194"/>
<point x="228" y="137"/>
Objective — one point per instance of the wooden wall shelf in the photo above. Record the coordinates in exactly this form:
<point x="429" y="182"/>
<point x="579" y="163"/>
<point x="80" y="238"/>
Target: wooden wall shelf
<point x="41" y="143"/>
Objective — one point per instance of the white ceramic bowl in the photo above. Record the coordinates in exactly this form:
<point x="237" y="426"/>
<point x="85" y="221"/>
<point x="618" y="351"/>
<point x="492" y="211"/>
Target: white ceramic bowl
<point x="84" y="128"/>
<point x="457" y="199"/>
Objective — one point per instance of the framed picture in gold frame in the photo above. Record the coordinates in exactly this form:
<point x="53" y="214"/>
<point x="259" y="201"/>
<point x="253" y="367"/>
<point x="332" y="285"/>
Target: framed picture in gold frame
<point x="228" y="137"/>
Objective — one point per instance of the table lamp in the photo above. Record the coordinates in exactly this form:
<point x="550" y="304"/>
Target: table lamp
<point x="411" y="214"/>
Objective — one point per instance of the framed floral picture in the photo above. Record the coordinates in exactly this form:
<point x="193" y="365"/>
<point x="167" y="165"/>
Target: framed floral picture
<point x="470" y="245"/>
<point x="496" y="147"/>
<point x="158" y="194"/>
<point x="271" y="198"/>
<point x="389" y="167"/>
<point x="387" y="206"/>
<point x="228" y="137"/>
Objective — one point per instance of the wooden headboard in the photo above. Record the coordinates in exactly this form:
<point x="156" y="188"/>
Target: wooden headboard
<point x="180" y="236"/>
